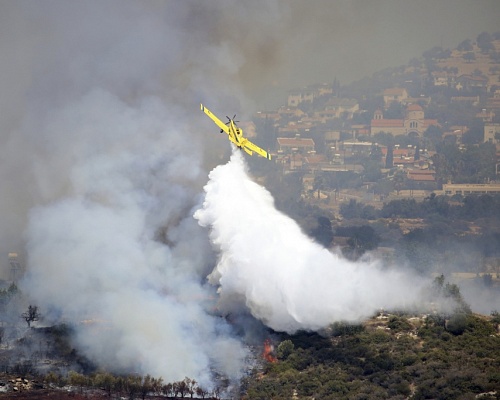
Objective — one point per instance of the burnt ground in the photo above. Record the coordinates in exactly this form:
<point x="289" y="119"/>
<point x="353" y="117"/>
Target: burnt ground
<point x="49" y="394"/>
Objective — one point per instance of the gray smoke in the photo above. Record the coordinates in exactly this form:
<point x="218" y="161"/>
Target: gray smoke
<point x="103" y="163"/>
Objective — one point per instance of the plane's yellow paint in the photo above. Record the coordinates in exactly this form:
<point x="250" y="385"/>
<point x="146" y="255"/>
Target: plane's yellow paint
<point x="235" y="135"/>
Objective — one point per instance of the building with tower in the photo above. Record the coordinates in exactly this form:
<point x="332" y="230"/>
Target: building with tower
<point x="414" y="123"/>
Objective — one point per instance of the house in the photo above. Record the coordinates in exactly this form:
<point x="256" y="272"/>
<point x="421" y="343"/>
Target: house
<point x="471" y="100"/>
<point x="356" y="148"/>
<point x="443" y="78"/>
<point x="321" y="89"/>
<point x="340" y="107"/>
<point x="294" y="145"/>
<point x="269" y="115"/>
<point x="493" y="103"/>
<point x="315" y="162"/>
<point x="486" y="115"/>
<point x="308" y="94"/>
<point x="466" y="189"/>
<point x="290" y="113"/>
<point x="490" y="131"/>
<point x="421" y="175"/>
<point x="298" y="96"/>
<point x="395" y="94"/>
<point x="456" y="133"/>
<point x="469" y="82"/>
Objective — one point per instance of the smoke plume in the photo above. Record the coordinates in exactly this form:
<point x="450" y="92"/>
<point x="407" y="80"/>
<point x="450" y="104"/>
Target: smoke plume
<point x="103" y="162"/>
<point x="268" y="266"/>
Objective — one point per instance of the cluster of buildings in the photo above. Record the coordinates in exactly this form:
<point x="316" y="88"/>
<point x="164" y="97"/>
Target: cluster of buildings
<point x="325" y="138"/>
<point x="320" y="130"/>
<point x="316" y="130"/>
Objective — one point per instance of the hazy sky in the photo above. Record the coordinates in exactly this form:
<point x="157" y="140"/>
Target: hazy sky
<point x="350" y="39"/>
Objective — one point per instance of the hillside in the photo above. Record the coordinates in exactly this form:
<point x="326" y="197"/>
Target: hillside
<point x="389" y="356"/>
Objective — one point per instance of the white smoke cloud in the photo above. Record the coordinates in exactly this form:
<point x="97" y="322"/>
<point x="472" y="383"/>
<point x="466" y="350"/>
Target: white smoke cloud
<point x="102" y="167"/>
<point x="286" y="280"/>
<point x="98" y="252"/>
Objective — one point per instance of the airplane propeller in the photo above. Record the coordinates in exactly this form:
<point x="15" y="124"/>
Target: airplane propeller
<point x="231" y="119"/>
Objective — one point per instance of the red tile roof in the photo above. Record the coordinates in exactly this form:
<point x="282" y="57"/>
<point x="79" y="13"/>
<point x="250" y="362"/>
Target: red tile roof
<point x="393" y="123"/>
<point x="414" y="107"/>
<point x="295" y="142"/>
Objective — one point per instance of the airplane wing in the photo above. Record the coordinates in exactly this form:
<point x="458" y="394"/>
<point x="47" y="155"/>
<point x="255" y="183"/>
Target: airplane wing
<point x="252" y="147"/>
<point x="217" y="121"/>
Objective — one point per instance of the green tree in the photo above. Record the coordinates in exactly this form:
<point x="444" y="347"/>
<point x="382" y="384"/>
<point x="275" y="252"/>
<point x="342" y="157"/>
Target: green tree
<point x="132" y="385"/>
<point x="484" y="42"/>
<point x="417" y="153"/>
<point x="400" y="180"/>
<point x="106" y="381"/>
<point x="389" y="160"/>
<point x="469" y="56"/>
<point x="394" y="111"/>
<point x="351" y="210"/>
<point x="434" y="133"/>
<point x="371" y="171"/>
<point x="361" y="239"/>
<point x="76" y="379"/>
<point x="466" y="45"/>
<point x="323" y="233"/>
<point x="457" y="323"/>
<point x="145" y="386"/>
<point x="318" y="184"/>
<point x="285" y="348"/>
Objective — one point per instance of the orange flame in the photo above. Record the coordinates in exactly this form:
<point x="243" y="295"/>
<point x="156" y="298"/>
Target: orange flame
<point x="268" y="352"/>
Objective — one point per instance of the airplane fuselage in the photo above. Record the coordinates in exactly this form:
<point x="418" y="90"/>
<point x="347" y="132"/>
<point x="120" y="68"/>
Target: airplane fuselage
<point x="235" y="134"/>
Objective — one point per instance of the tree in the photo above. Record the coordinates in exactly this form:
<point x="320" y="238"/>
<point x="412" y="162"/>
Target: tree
<point x="466" y="45"/>
<point x="106" y="381"/>
<point x="168" y="389"/>
<point x="200" y="392"/>
<point x="145" y="386"/>
<point x="323" y="232"/>
<point x="394" y="111"/>
<point x="371" y="171"/>
<point x="77" y="379"/>
<point x="433" y="133"/>
<point x="31" y="315"/>
<point x="484" y="42"/>
<point x="375" y="153"/>
<point x="181" y="388"/>
<point x="389" y="160"/>
<point x="457" y="323"/>
<point x="132" y="385"/>
<point x="361" y="239"/>
<point x="285" y="348"/>
<point x="399" y="180"/>
<point x="191" y="384"/>
<point x="351" y="210"/>
<point x="318" y="184"/>
<point x="469" y="56"/>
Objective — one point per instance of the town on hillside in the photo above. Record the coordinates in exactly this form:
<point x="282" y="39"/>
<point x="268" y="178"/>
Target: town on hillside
<point x="404" y="163"/>
<point x="394" y="128"/>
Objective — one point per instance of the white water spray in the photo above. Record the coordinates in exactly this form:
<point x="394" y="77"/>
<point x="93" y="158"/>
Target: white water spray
<point x="269" y="266"/>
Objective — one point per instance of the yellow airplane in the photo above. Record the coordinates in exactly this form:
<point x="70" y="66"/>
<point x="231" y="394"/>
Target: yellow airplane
<point x="235" y="134"/>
